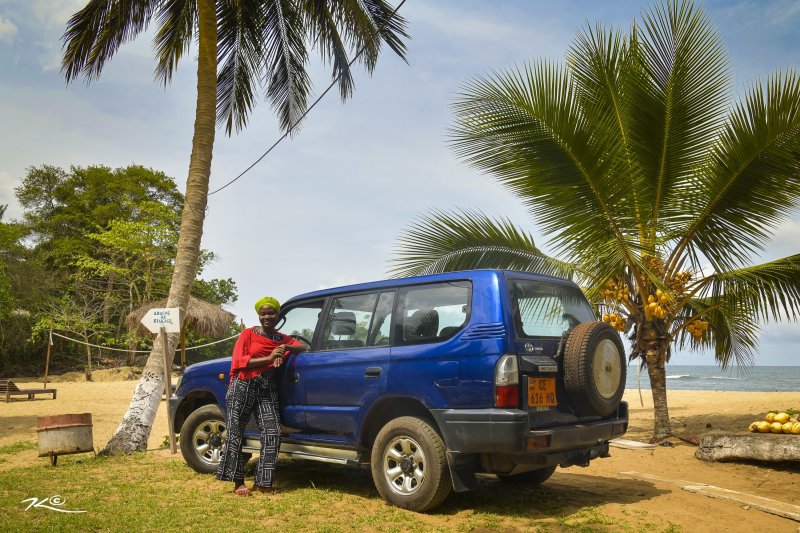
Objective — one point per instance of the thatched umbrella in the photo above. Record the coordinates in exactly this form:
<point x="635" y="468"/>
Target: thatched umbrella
<point x="207" y="320"/>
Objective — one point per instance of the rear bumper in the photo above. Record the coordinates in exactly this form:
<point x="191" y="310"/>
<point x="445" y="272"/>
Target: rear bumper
<point x="506" y="431"/>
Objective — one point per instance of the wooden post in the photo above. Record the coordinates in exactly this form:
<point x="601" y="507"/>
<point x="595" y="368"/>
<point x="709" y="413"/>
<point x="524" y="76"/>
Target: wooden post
<point x="47" y="361"/>
<point x="183" y="348"/>
<point x="168" y="387"/>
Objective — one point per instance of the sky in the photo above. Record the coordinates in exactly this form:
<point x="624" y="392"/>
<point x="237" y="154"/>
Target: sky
<point x="326" y="207"/>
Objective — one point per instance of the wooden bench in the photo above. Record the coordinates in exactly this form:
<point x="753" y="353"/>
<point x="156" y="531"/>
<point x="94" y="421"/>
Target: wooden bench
<point x="9" y="389"/>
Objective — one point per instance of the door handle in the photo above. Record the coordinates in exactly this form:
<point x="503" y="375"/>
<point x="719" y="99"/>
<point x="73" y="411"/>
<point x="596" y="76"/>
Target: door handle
<point x="373" y="372"/>
<point x="295" y="377"/>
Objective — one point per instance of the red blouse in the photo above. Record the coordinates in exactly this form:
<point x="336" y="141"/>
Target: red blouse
<point x="254" y="345"/>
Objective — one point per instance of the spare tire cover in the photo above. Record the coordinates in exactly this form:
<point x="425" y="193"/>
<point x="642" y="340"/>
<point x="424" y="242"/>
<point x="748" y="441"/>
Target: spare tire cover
<point x="594" y="369"/>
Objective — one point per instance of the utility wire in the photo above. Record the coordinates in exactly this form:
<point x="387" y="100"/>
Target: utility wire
<point x="142" y="351"/>
<point x="307" y="111"/>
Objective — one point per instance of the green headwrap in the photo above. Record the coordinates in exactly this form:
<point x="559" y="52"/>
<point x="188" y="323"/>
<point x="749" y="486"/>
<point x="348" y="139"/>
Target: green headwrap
<point x="270" y="301"/>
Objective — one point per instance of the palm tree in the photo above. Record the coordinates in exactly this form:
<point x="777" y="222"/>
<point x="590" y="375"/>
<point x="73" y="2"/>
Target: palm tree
<point x="240" y="44"/>
<point x="654" y="189"/>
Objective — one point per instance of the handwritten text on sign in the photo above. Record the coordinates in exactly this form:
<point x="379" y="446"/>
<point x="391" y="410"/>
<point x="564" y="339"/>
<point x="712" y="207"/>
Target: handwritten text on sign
<point x="168" y="318"/>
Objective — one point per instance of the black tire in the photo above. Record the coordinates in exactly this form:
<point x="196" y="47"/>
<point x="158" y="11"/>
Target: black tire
<point x="594" y="369"/>
<point x="409" y="464"/>
<point x="532" y="477"/>
<point x="202" y="438"/>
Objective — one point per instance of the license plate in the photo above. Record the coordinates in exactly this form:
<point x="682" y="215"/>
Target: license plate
<point x="542" y="392"/>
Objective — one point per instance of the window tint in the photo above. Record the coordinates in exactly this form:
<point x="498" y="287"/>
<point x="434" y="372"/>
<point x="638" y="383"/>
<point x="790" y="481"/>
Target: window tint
<point x="348" y="321"/>
<point x="435" y="312"/>
<point x="301" y="321"/>
<point x="543" y="310"/>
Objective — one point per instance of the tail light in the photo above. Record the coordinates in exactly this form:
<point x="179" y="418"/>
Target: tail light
<point x="506" y="382"/>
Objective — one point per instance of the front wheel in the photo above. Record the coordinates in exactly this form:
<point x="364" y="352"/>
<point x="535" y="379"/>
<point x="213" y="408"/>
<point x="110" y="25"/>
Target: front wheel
<point x="202" y="437"/>
<point x="409" y="464"/>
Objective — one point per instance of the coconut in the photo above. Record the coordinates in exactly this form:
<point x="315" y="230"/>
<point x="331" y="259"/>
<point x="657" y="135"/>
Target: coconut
<point x="782" y="418"/>
<point x="770" y="417"/>
<point x="776" y="427"/>
<point x="763" y="426"/>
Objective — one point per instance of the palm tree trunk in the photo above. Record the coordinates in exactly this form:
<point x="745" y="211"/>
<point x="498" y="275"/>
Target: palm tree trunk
<point x="134" y="430"/>
<point x="655" y="352"/>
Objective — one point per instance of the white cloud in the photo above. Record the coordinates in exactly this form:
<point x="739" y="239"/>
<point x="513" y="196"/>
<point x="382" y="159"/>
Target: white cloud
<point x="7" y="31"/>
<point x="55" y="13"/>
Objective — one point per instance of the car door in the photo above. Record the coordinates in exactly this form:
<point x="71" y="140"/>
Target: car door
<point x="348" y="369"/>
<point x="301" y="321"/>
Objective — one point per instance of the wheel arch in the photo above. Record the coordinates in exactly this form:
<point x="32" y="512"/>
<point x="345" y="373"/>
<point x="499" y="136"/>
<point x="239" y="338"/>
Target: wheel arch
<point x="387" y="409"/>
<point x="192" y="402"/>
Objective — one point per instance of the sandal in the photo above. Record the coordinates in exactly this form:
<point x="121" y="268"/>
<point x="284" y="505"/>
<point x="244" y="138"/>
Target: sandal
<point x="265" y="490"/>
<point x="241" y="490"/>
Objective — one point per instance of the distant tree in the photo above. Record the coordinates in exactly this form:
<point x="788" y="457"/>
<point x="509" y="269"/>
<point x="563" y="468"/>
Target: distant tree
<point x="94" y="238"/>
<point x="654" y="189"/>
<point x="61" y="207"/>
<point x="253" y="43"/>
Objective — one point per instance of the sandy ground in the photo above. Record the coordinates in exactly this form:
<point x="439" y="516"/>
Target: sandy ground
<point x="602" y="484"/>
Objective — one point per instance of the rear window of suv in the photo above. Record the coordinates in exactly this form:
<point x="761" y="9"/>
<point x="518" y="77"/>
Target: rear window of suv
<point x="546" y="310"/>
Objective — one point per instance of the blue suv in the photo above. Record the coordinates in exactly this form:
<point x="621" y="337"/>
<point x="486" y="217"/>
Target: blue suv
<point x="430" y="380"/>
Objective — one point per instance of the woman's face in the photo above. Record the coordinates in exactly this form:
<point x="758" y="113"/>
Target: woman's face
<point x="268" y="317"/>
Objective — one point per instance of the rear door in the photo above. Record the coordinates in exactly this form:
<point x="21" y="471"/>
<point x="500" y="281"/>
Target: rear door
<point x="348" y="369"/>
<point x="543" y="313"/>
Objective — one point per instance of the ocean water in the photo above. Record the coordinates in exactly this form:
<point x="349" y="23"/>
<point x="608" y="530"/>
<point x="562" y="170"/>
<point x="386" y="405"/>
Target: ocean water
<point x="754" y="379"/>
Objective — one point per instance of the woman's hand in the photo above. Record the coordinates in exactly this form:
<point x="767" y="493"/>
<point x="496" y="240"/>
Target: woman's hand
<point x="277" y="355"/>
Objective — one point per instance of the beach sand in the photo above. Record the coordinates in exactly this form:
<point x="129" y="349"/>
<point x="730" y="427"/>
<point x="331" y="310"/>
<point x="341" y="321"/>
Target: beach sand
<point x="602" y="484"/>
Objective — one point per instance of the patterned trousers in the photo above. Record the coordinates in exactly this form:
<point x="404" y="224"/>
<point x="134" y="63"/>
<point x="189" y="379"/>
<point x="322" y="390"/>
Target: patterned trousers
<point x="244" y="396"/>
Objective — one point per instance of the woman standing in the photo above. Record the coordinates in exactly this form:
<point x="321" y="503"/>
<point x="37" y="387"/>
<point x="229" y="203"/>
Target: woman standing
<point x="257" y="353"/>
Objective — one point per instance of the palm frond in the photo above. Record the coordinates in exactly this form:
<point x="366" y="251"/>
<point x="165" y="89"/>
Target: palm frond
<point x="332" y="44"/>
<point x="732" y="332"/>
<point x="96" y="32"/>
<point x="288" y="83"/>
<point x="463" y="240"/>
<point x="752" y="180"/>
<point x="176" y="22"/>
<point x="241" y="27"/>
<point x="677" y="118"/>
<point x="771" y="291"/>
<point x="604" y="64"/>
<point x="526" y="128"/>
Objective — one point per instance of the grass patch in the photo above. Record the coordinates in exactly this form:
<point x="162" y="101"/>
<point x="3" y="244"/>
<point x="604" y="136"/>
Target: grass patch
<point x="21" y="446"/>
<point x="158" y="492"/>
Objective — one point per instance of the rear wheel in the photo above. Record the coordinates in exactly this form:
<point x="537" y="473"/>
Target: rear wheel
<point x="409" y="464"/>
<point x="532" y="477"/>
<point x="594" y="369"/>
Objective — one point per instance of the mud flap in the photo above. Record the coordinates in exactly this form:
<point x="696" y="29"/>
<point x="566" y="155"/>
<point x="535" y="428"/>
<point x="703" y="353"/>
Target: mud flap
<point x="462" y="470"/>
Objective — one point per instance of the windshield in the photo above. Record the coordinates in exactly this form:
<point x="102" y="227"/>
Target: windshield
<point x="546" y="310"/>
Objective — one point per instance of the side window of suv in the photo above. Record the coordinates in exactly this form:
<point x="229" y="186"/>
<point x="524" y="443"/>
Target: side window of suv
<point x="348" y="321"/>
<point x="433" y="313"/>
<point x="301" y="321"/>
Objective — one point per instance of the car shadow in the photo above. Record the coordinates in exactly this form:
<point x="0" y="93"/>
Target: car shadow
<point x="563" y="494"/>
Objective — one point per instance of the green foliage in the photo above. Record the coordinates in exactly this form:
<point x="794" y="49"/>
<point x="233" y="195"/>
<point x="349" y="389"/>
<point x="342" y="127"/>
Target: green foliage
<point x="99" y="243"/>
<point x="62" y="208"/>
<point x="630" y="157"/>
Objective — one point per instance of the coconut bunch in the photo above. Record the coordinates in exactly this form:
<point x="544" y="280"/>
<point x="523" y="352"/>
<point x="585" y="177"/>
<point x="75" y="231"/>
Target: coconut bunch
<point x="776" y="423"/>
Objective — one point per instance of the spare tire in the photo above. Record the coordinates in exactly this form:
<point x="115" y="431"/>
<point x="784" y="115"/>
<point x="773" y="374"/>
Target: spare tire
<point x="594" y="369"/>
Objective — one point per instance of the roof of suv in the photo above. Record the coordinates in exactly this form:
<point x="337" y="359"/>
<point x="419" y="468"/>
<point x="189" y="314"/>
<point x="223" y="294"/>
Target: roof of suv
<point x="428" y="278"/>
